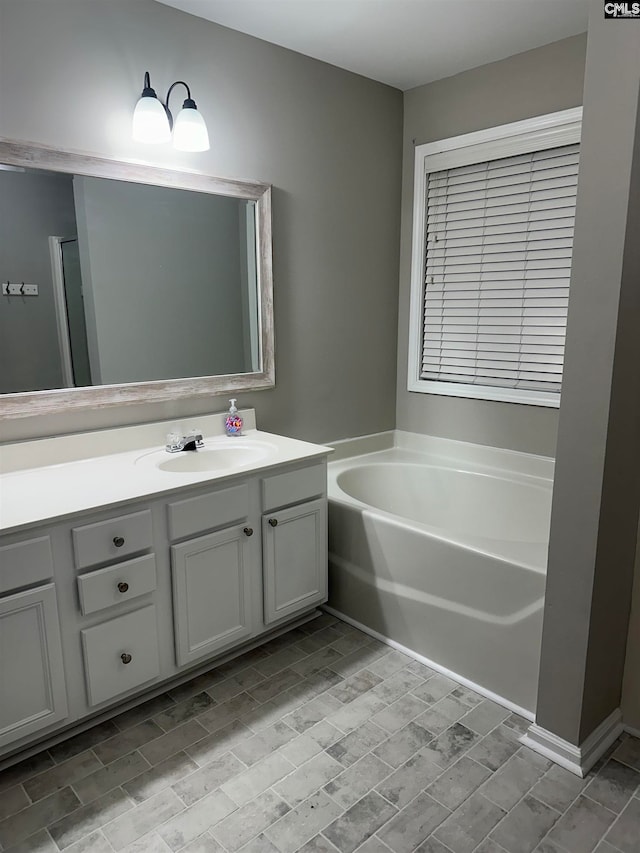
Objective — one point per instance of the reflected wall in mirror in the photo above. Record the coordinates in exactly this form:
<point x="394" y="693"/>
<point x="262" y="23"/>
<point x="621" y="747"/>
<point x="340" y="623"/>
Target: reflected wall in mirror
<point x="135" y="283"/>
<point x="151" y="283"/>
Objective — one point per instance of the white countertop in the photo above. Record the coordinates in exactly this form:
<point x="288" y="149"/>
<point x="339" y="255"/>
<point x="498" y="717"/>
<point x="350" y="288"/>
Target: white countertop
<point x="51" y="479"/>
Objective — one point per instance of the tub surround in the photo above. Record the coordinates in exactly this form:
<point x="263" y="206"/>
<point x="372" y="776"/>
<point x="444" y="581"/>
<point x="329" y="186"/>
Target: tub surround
<point x="408" y="559"/>
<point x="120" y="576"/>
<point x="439" y="450"/>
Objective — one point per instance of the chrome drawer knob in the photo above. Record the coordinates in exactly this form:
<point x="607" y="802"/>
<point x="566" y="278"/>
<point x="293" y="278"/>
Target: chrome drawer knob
<point x="273" y="522"/>
<point x="118" y="541"/>
<point x="123" y="586"/>
<point x="126" y="658"/>
<point x="248" y="531"/>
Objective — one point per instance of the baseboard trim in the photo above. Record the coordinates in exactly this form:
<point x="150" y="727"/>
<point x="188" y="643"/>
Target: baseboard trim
<point x="631" y="731"/>
<point x="576" y="759"/>
<point x="454" y="676"/>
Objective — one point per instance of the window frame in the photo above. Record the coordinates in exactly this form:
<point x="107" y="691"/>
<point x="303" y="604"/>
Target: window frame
<point x="522" y="137"/>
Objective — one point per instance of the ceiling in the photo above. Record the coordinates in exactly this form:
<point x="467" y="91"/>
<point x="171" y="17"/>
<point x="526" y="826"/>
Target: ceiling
<point x="403" y="43"/>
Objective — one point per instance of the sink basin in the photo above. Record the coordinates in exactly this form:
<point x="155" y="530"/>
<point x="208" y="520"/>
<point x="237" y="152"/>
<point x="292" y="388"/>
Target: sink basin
<point x="222" y="457"/>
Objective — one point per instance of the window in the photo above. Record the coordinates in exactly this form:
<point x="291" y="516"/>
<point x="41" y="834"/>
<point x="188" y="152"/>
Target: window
<point x="493" y="233"/>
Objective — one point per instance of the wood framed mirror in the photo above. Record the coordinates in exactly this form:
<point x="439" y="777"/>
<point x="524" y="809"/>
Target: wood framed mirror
<point x="125" y="283"/>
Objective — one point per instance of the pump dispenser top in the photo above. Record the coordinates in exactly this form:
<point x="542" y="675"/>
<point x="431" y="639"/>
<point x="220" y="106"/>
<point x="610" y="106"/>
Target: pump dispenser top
<point x="233" y="421"/>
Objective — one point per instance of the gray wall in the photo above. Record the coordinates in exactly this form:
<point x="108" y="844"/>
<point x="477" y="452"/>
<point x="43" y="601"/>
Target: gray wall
<point x="32" y="208"/>
<point x="329" y="141"/>
<point x="596" y="495"/>
<point x="631" y="684"/>
<point x="539" y="81"/>
<point x="161" y="271"/>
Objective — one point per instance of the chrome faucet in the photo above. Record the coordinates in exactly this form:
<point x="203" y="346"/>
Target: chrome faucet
<point x="192" y="441"/>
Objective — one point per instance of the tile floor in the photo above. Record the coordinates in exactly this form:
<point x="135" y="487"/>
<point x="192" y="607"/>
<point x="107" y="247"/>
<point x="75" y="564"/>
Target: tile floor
<point x="324" y="740"/>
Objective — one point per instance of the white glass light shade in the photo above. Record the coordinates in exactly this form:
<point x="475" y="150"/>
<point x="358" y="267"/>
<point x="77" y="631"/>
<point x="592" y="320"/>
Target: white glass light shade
<point x="190" y="131"/>
<point x="150" y="122"/>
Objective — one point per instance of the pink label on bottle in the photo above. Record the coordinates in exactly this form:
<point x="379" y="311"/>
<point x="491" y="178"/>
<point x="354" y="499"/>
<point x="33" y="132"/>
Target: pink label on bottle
<point x="233" y="424"/>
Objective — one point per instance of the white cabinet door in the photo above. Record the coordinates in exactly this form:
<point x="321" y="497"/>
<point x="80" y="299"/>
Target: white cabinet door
<point x="211" y="593"/>
<point x="33" y="693"/>
<point x="294" y="545"/>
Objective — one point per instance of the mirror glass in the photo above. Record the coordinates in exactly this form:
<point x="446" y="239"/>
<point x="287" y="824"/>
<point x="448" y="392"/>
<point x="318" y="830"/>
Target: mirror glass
<point x="121" y="276"/>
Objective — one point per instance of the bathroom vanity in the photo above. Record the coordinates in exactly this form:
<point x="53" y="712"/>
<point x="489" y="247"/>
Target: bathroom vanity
<point x="124" y="568"/>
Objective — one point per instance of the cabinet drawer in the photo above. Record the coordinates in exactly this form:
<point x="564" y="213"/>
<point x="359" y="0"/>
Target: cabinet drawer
<point x="115" y="584"/>
<point x="120" y="654"/>
<point x="294" y="487"/>
<point x="112" y="539"/>
<point x="25" y="563"/>
<point x="216" y="509"/>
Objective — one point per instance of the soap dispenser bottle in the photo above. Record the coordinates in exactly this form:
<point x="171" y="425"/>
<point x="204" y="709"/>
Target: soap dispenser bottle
<point x="233" y="421"/>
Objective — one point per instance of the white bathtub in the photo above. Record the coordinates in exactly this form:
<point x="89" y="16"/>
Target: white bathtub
<point x="441" y="547"/>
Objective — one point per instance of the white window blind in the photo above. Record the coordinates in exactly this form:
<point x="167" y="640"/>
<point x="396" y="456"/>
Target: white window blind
<point x="499" y="238"/>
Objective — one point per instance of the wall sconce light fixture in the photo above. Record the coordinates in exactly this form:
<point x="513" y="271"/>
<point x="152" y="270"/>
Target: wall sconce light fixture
<point x="153" y="122"/>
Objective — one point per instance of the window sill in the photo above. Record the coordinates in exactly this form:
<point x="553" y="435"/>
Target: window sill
<point x="486" y="392"/>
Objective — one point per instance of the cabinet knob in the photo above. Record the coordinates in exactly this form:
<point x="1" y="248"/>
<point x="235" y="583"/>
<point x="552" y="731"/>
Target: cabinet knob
<point x="123" y="586"/>
<point x="126" y="658"/>
<point x="248" y="531"/>
<point x="273" y="522"/>
<point x="118" y="541"/>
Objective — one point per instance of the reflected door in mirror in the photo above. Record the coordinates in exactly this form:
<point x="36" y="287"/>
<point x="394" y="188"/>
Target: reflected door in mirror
<point x="159" y="283"/>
